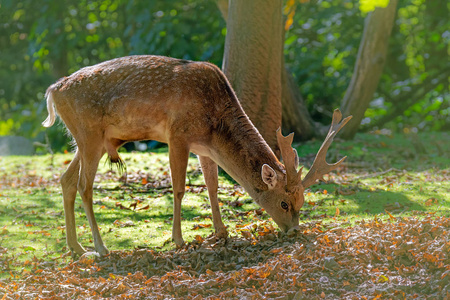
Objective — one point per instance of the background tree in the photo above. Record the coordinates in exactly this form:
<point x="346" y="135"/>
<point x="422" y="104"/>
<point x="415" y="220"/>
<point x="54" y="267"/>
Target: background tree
<point x="369" y="65"/>
<point x="414" y="90"/>
<point x="44" y="40"/>
<point x="294" y="115"/>
<point x="252" y="61"/>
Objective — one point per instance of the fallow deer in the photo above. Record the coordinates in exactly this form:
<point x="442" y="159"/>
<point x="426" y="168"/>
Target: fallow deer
<point x="191" y="107"/>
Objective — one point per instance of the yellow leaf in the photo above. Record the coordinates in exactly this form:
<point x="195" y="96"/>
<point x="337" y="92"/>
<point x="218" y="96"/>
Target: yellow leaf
<point x="370" y="5"/>
<point x="289" y="20"/>
<point x="289" y="5"/>
<point x="390" y="215"/>
<point x="198" y="226"/>
<point x="337" y="212"/>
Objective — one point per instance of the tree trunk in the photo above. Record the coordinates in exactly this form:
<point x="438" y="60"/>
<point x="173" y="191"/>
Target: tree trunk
<point x="295" y="115"/>
<point x="252" y="61"/>
<point x="369" y="66"/>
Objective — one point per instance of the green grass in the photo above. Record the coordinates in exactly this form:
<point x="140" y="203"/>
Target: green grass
<point x="32" y="219"/>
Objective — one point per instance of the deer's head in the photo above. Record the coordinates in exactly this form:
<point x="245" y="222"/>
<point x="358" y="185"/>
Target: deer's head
<point x="284" y="196"/>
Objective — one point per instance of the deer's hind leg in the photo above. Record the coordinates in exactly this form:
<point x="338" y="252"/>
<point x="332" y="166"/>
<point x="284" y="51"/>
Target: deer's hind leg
<point x="178" y="159"/>
<point x="91" y="154"/>
<point x="69" y="182"/>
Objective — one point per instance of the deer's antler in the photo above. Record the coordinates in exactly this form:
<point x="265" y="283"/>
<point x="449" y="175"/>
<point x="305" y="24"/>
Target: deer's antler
<point x="290" y="158"/>
<point x="320" y="167"/>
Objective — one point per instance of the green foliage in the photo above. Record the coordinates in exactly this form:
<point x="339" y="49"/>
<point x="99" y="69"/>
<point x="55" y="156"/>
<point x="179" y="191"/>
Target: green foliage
<point x="414" y="90"/>
<point x="322" y="44"/>
<point x="321" y="49"/>
<point x="46" y="40"/>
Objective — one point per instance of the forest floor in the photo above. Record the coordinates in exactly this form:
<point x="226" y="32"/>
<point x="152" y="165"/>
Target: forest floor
<point x="379" y="228"/>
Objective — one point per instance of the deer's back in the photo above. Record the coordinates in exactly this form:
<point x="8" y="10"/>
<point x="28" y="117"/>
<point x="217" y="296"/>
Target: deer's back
<point x="141" y="92"/>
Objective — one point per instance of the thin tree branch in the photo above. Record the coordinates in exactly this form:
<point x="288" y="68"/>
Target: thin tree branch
<point x="412" y="97"/>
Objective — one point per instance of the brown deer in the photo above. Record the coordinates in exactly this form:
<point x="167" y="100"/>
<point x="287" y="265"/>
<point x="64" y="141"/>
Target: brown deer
<point x="191" y="107"/>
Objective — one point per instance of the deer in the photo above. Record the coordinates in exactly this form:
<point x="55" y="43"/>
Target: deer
<point x="190" y="106"/>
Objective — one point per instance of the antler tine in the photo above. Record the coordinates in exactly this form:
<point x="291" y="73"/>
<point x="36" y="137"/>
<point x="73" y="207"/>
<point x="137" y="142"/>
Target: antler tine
<point x="320" y="167"/>
<point x="289" y="156"/>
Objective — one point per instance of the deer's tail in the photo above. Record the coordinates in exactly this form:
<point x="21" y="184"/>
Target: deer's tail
<point x="51" y="110"/>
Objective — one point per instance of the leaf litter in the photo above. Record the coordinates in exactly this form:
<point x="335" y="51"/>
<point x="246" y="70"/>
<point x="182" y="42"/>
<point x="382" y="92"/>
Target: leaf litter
<point x="385" y="257"/>
<point x="397" y="258"/>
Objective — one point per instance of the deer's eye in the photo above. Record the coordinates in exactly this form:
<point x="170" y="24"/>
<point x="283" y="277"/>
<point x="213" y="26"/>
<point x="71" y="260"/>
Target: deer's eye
<point x="284" y="205"/>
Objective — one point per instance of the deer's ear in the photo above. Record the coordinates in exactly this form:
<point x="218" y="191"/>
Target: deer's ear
<point x="269" y="176"/>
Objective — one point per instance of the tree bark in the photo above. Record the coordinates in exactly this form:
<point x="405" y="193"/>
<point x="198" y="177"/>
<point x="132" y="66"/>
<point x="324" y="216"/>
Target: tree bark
<point x="252" y="61"/>
<point x="295" y="115"/>
<point x="369" y="66"/>
<point x="223" y="7"/>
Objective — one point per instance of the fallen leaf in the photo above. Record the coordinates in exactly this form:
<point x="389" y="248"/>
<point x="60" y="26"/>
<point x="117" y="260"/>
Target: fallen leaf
<point x="236" y="203"/>
<point x="143" y="207"/>
<point x="198" y="226"/>
<point x="337" y="212"/>
<point x="73" y="280"/>
<point x="276" y="250"/>
<point x="121" y="206"/>
<point x="246" y="234"/>
<point x="390" y="215"/>
<point x="199" y="239"/>
<point x="431" y="201"/>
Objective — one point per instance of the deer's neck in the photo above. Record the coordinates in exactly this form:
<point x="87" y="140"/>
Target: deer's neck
<point x="241" y="151"/>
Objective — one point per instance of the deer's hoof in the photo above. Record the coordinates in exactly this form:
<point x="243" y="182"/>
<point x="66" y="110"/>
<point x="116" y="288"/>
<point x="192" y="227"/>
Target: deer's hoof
<point x="77" y="250"/>
<point x="222" y="233"/>
<point x="102" y="251"/>
<point x="88" y="257"/>
<point x="179" y="242"/>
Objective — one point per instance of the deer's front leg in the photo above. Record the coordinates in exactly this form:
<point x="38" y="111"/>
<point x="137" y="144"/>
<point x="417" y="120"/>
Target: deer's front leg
<point x="209" y="169"/>
<point x="89" y="164"/>
<point x="178" y="156"/>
